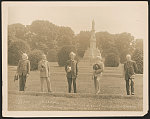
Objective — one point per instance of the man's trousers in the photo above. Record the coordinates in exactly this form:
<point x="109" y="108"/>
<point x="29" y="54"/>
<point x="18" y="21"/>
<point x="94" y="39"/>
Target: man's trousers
<point x="22" y="82"/>
<point x="130" y="84"/>
<point x="47" y="82"/>
<point x="70" y="83"/>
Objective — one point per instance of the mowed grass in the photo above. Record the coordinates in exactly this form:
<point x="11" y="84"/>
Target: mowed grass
<point x="112" y="83"/>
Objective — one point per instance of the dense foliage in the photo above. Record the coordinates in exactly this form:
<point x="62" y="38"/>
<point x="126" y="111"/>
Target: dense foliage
<point x="50" y="39"/>
<point x="15" y="50"/>
<point x="138" y="55"/>
<point x="52" y="55"/>
<point x="112" y="60"/>
<point x="63" y="54"/>
<point x="35" y="56"/>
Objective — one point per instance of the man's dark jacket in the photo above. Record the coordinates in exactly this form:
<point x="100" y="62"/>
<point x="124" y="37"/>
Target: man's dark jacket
<point x="74" y="68"/>
<point x="130" y="69"/>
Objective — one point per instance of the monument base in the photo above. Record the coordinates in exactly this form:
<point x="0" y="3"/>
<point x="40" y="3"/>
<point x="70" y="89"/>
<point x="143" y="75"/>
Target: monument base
<point x="91" y="54"/>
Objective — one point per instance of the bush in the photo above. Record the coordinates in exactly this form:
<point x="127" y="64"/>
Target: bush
<point x="43" y="48"/>
<point x="112" y="60"/>
<point x="52" y="55"/>
<point x="63" y="54"/>
<point x="35" y="56"/>
<point x="138" y="57"/>
<point x="81" y="52"/>
<point x="15" y="50"/>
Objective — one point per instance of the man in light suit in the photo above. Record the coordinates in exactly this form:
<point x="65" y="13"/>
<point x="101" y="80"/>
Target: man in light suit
<point x="72" y="72"/>
<point x="98" y="68"/>
<point x="130" y="68"/>
<point x="44" y="69"/>
<point x="23" y="71"/>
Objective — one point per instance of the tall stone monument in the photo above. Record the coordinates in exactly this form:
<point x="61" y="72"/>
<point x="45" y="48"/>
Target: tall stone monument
<point x="92" y="52"/>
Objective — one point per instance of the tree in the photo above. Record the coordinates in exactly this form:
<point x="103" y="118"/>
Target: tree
<point x="51" y="35"/>
<point x="35" y="56"/>
<point x="65" y="36"/>
<point x="138" y="55"/>
<point x="52" y="55"/>
<point x="43" y="48"/>
<point x="112" y="60"/>
<point x="16" y="30"/>
<point x="83" y="41"/>
<point x="139" y="44"/>
<point x="123" y="44"/>
<point x="15" y="50"/>
<point x="63" y="54"/>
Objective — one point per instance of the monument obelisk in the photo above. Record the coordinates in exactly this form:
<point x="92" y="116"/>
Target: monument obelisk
<point x="92" y="52"/>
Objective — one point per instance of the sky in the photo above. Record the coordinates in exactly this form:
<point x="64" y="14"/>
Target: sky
<point x="113" y="17"/>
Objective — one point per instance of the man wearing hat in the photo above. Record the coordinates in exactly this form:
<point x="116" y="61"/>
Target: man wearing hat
<point x="98" y="68"/>
<point x="44" y="69"/>
<point x="130" y="68"/>
<point x="23" y="71"/>
<point x="71" y="69"/>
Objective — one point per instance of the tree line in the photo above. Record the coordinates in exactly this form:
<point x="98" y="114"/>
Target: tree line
<point x="45" y="37"/>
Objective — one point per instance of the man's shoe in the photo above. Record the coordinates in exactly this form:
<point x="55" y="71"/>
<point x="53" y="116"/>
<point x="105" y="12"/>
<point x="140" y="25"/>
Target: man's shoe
<point x="50" y="91"/>
<point x="132" y="93"/>
<point x="98" y="92"/>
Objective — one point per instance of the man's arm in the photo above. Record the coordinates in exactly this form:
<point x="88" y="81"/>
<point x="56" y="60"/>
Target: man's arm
<point x="135" y="67"/>
<point x="28" y="70"/>
<point x="39" y="66"/>
<point x="66" y="66"/>
<point x="101" y="65"/>
<point x="18" y="67"/>
<point x="48" y="68"/>
<point x="124" y="69"/>
<point x="76" y="68"/>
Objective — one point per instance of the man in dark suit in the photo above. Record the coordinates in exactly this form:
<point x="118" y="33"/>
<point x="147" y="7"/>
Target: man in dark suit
<point x="72" y="72"/>
<point x="130" y="68"/>
<point x="23" y="71"/>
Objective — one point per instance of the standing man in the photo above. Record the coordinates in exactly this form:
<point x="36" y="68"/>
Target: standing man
<point x="72" y="72"/>
<point x="130" y="68"/>
<point x="44" y="69"/>
<point x="98" y="68"/>
<point x="23" y="71"/>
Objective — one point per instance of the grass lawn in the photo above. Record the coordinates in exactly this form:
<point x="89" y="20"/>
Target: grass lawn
<point x="112" y="83"/>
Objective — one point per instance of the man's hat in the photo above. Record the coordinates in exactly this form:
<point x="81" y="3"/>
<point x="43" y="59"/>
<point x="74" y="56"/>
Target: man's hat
<point x="25" y="56"/>
<point x="99" y="57"/>
<point x="72" y="53"/>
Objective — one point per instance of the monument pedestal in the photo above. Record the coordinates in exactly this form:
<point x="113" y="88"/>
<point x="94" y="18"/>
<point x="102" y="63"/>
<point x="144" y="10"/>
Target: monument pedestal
<point x="91" y="54"/>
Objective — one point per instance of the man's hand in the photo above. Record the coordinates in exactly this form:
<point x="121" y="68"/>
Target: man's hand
<point x="92" y="77"/>
<point x="27" y="75"/>
<point x="94" y="72"/>
<point x="69" y="69"/>
<point x="16" y="74"/>
<point x="133" y="76"/>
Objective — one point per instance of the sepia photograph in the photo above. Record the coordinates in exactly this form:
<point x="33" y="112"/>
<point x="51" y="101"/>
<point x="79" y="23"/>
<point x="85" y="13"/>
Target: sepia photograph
<point x="74" y="59"/>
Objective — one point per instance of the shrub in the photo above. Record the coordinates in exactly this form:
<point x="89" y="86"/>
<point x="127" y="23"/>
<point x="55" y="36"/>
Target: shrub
<point x="35" y="56"/>
<point x="15" y="50"/>
<point x="112" y="60"/>
<point x="43" y="48"/>
<point x="81" y="52"/>
<point x="52" y="55"/>
<point x="63" y="54"/>
<point x="138" y="57"/>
